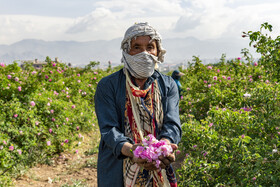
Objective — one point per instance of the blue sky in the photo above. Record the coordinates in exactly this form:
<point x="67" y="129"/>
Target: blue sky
<point x="88" y="20"/>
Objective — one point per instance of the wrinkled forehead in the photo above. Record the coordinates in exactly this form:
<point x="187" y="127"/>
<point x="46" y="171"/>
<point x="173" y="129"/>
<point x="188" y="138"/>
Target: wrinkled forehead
<point x="141" y="38"/>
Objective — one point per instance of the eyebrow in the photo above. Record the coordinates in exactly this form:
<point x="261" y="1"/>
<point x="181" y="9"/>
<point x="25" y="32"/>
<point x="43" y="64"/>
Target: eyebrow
<point x="136" y="44"/>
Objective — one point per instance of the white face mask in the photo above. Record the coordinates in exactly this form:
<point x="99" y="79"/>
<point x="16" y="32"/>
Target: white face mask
<point x="141" y="65"/>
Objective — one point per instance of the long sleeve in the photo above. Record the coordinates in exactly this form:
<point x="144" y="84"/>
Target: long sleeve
<point x="109" y="118"/>
<point x="171" y="124"/>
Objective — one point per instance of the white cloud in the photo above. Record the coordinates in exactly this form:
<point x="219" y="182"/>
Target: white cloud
<point x="17" y="27"/>
<point x="216" y="19"/>
<point x="111" y="18"/>
<point x="177" y="18"/>
<point x="92" y="21"/>
<point x="186" y="22"/>
<point x="141" y="8"/>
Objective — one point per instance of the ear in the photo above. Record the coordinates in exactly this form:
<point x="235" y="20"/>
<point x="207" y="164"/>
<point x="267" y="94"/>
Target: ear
<point x="156" y="65"/>
<point x="158" y="51"/>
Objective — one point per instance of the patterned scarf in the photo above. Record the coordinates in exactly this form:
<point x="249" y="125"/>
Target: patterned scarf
<point x="144" y="115"/>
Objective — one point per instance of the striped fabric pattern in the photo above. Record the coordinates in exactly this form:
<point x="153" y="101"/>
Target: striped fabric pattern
<point x="141" y="65"/>
<point x="150" y="115"/>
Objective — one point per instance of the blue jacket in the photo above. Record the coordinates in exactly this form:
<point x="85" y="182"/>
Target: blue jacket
<point x="110" y="100"/>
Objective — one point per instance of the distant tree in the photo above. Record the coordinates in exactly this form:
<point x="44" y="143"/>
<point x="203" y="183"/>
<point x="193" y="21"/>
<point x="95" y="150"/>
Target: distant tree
<point x="222" y="61"/>
<point x="91" y="65"/>
<point x="247" y="55"/>
<point x="48" y="59"/>
<point x="109" y="64"/>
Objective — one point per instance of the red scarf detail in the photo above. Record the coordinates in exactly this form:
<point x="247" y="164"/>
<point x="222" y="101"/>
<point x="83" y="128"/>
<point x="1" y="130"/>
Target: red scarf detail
<point x="139" y="93"/>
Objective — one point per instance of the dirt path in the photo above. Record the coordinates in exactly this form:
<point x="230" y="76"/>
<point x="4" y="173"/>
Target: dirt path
<point x="68" y="169"/>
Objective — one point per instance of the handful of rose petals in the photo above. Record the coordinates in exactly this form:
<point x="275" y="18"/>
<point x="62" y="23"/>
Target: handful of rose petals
<point x="152" y="148"/>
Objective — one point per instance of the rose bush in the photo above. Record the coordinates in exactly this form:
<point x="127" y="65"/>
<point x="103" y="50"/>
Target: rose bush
<point x="230" y="114"/>
<point x="46" y="116"/>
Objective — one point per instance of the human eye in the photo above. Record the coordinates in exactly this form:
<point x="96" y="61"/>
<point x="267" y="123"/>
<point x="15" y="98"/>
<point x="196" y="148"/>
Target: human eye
<point x="150" y="47"/>
<point x="135" y="47"/>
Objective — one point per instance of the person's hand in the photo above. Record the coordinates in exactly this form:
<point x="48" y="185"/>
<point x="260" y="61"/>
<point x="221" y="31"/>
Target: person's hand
<point x="134" y="159"/>
<point x="128" y="149"/>
<point x="151" y="166"/>
<point x="166" y="161"/>
<point x="143" y="162"/>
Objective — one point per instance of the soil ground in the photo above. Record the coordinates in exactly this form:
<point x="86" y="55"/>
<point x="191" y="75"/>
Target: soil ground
<point x="69" y="169"/>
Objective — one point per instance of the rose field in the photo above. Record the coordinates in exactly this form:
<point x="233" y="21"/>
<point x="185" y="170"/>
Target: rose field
<point x="230" y="115"/>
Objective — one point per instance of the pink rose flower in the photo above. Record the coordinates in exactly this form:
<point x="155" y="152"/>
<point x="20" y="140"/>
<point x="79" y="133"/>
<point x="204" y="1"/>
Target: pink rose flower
<point x="32" y="103"/>
<point x="152" y="149"/>
<point x="19" y="151"/>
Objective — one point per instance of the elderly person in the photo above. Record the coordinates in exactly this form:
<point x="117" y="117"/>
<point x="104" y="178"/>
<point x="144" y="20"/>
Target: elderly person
<point x="131" y="104"/>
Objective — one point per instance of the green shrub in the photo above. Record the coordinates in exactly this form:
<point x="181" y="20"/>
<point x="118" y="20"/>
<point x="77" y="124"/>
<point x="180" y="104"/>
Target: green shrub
<point x="42" y="113"/>
<point x="230" y="114"/>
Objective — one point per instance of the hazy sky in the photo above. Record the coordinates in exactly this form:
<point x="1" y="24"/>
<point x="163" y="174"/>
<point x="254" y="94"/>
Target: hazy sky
<point x="88" y="20"/>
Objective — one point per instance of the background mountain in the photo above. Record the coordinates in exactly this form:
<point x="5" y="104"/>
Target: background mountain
<point x="179" y="50"/>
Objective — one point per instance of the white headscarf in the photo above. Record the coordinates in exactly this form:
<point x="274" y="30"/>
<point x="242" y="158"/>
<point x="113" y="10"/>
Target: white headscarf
<point x="142" y="29"/>
<point x="141" y="65"/>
